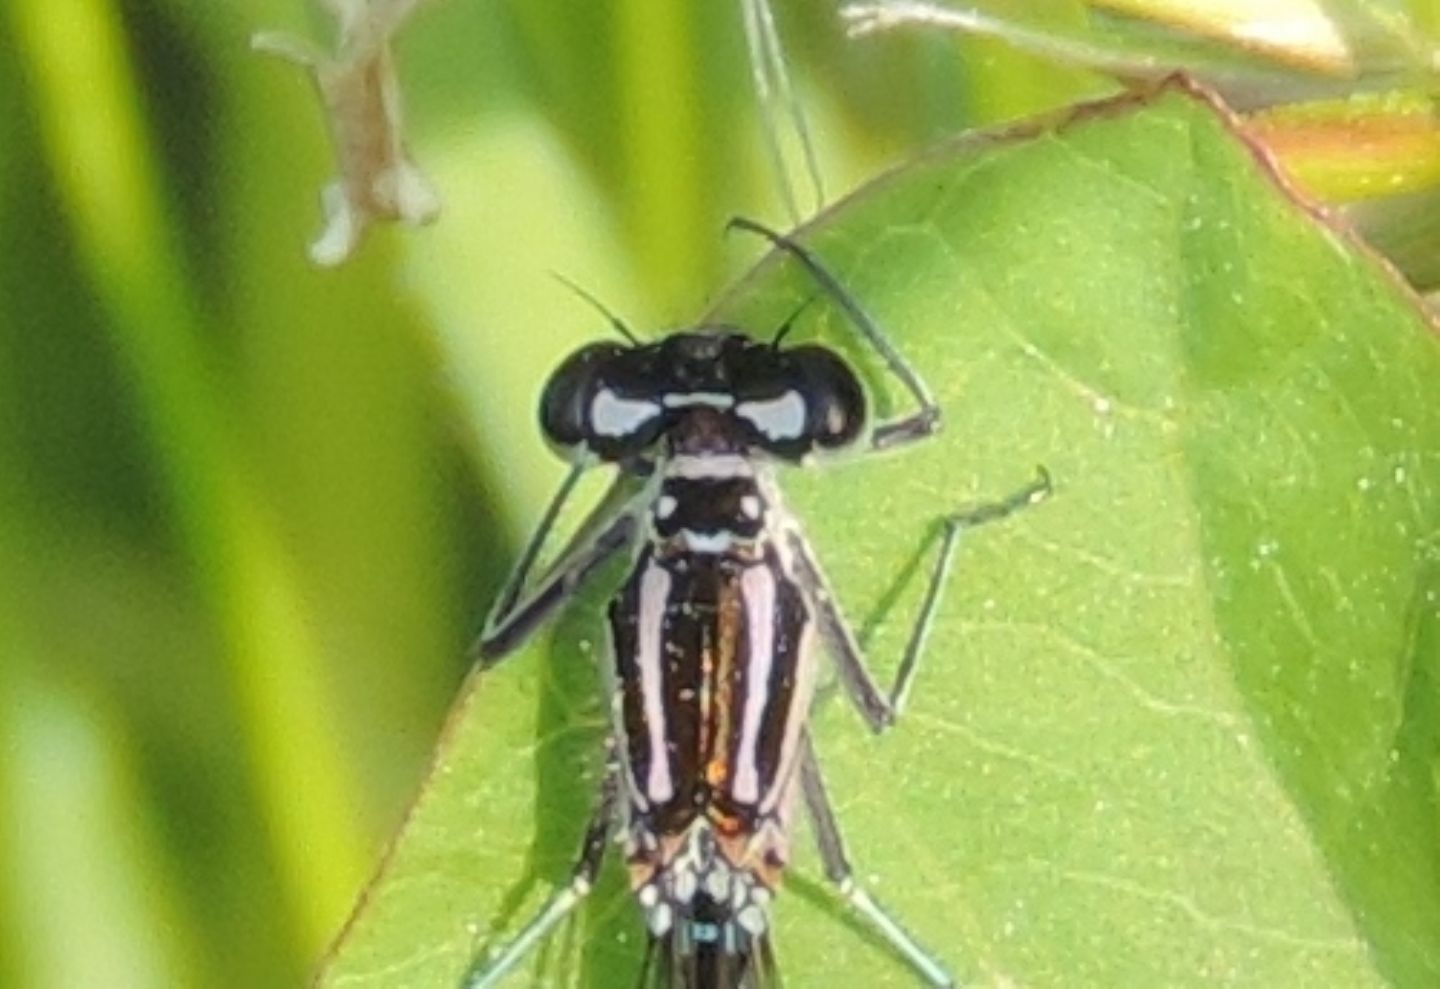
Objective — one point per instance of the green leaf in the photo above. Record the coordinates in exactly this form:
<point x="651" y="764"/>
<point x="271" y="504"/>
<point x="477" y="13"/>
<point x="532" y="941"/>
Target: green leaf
<point x="1255" y="52"/>
<point x="1177" y="726"/>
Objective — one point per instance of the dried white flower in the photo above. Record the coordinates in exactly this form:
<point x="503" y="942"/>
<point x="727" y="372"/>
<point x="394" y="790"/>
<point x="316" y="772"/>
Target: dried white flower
<point x="361" y="93"/>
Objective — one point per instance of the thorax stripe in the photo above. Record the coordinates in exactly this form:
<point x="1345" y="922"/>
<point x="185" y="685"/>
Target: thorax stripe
<point x="654" y="595"/>
<point x="758" y="587"/>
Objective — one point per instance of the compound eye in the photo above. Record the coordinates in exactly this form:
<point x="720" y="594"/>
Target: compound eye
<point x="602" y="401"/>
<point x="834" y="400"/>
<point x="569" y="395"/>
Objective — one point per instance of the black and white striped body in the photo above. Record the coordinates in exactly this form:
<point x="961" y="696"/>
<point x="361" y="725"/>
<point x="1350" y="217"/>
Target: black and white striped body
<point x="713" y="649"/>
<point x="714" y="631"/>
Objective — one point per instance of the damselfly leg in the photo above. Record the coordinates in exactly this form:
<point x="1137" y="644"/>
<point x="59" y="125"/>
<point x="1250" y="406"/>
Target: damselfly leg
<point x="517" y="613"/>
<point x="879" y="708"/>
<point x="520" y="573"/>
<point x="840" y="872"/>
<point x="487" y="973"/>
<point x="955" y="526"/>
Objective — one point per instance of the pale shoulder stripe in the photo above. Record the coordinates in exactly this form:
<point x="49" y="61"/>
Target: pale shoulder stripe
<point x="654" y="595"/>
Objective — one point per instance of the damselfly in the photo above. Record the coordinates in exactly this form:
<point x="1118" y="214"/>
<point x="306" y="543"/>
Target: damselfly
<point x="716" y="630"/>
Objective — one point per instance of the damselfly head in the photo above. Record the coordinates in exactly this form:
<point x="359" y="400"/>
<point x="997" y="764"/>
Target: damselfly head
<point x="616" y="403"/>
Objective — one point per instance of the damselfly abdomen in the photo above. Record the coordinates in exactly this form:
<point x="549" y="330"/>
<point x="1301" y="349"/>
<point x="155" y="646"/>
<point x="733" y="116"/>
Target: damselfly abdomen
<point x="717" y="630"/>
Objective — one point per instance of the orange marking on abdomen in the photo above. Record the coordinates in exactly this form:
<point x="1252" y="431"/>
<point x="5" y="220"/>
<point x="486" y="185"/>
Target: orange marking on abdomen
<point x="728" y="617"/>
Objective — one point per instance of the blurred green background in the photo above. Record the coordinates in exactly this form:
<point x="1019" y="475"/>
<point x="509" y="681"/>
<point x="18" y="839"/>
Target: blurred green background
<point x="250" y="510"/>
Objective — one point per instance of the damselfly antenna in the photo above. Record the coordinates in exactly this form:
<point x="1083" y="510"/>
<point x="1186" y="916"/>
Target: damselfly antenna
<point x="600" y="307"/>
<point x="784" y="329"/>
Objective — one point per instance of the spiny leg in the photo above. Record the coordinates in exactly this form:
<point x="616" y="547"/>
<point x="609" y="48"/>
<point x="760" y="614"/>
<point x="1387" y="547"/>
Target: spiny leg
<point x="840" y="872"/>
<point x="839" y="639"/>
<point x="886" y="435"/>
<point x="877" y="708"/>
<point x="484" y="975"/>
<point x="1033" y="493"/>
